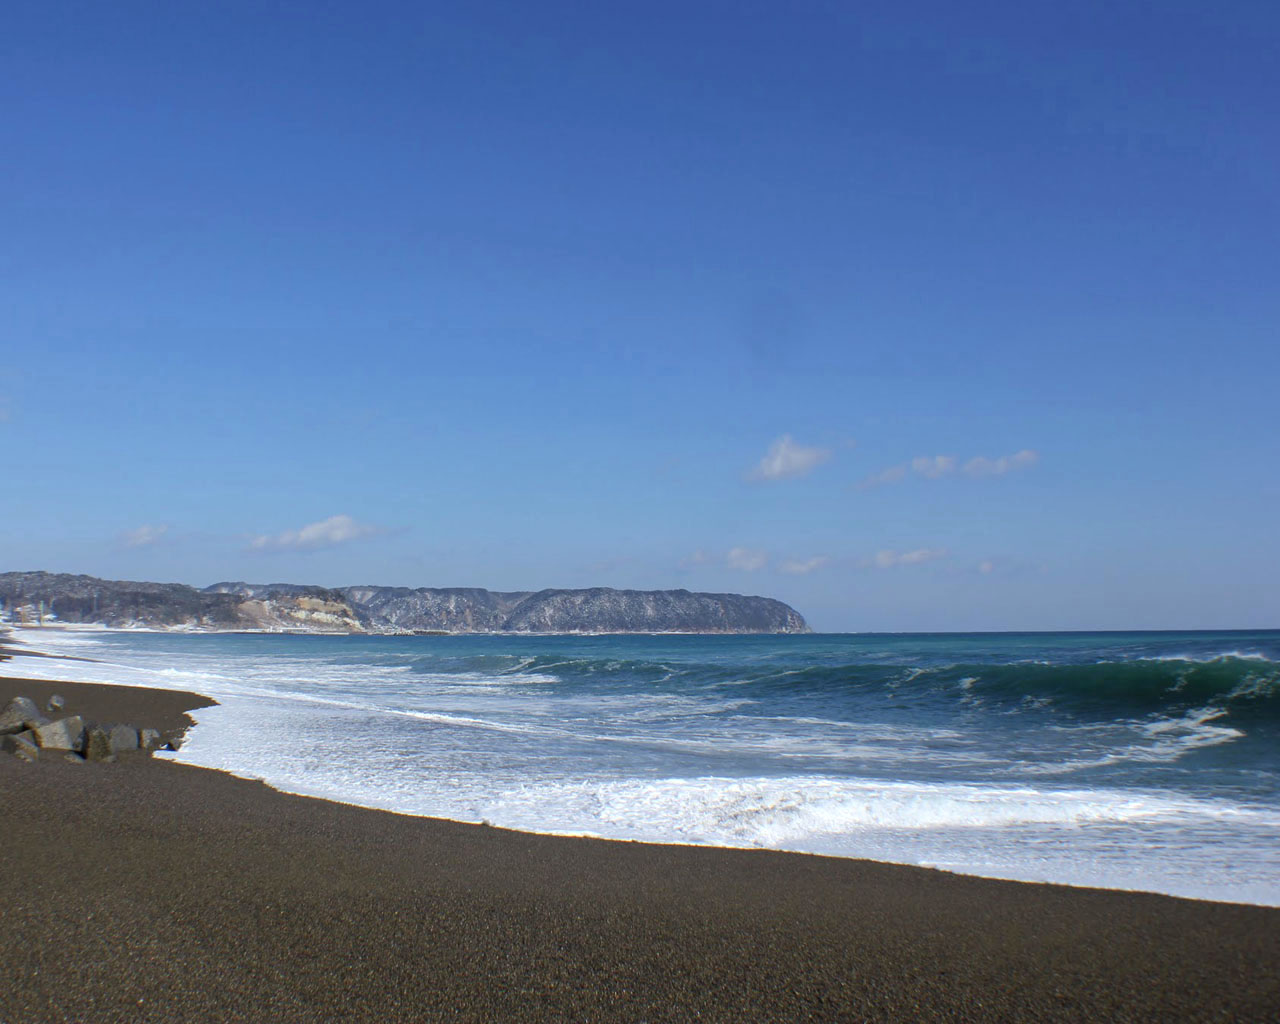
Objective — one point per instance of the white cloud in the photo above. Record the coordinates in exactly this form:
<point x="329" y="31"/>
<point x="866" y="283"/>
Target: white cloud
<point x="933" y="466"/>
<point x="786" y="459"/>
<point x="144" y="536"/>
<point x="982" y="466"/>
<point x="890" y="559"/>
<point x="746" y="559"/>
<point x="324" y="534"/>
<point x="741" y="559"/>
<point x="886" y="476"/>
<point x="799" y="567"/>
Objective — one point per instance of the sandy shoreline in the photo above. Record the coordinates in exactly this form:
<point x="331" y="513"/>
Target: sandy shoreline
<point x="148" y="890"/>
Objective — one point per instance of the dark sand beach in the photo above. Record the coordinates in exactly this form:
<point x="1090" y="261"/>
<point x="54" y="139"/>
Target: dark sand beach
<point x="150" y="891"/>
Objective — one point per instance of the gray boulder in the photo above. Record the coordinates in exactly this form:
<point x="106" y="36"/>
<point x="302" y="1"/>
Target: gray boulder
<point x="123" y="737"/>
<point x="97" y="744"/>
<point x="56" y="703"/>
<point x="19" y="715"/>
<point x="21" y="744"/>
<point x="64" y="734"/>
<point x="148" y="739"/>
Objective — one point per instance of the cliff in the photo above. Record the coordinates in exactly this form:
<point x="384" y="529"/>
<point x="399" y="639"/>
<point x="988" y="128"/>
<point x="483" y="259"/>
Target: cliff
<point x="27" y="596"/>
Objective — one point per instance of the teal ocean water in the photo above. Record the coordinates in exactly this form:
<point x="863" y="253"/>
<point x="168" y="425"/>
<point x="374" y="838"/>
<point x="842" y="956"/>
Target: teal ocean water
<point x="1130" y="760"/>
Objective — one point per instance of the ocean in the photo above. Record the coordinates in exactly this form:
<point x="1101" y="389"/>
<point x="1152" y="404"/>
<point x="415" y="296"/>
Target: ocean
<point x="1146" y="761"/>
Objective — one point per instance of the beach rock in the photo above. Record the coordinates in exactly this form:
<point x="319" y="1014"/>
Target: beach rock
<point x="123" y="737"/>
<point x="19" y="715"/>
<point x="97" y="744"/>
<point x="148" y="739"/>
<point x="56" y="703"/>
<point x="64" y="734"/>
<point x="22" y="744"/>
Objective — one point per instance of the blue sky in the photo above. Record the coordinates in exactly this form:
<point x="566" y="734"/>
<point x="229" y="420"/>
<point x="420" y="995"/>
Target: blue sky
<point x="914" y="315"/>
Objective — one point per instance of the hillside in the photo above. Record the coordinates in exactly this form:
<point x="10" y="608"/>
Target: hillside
<point x="32" y="596"/>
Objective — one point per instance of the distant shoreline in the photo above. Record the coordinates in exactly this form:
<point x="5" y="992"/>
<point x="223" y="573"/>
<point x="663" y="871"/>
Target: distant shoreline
<point x="89" y="627"/>
<point x="272" y="607"/>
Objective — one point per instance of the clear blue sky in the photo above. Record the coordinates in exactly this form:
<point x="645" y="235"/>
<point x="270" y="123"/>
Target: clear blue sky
<point x="914" y="315"/>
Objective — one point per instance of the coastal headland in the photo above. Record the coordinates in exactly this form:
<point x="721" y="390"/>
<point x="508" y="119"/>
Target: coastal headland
<point x="149" y="890"/>
<point x="34" y="597"/>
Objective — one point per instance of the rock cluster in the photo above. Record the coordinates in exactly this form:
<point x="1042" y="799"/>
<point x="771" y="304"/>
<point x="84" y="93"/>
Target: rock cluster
<point x="26" y="732"/>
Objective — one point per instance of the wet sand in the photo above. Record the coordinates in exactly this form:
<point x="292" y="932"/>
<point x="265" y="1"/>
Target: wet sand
<point x="151" y="891"/>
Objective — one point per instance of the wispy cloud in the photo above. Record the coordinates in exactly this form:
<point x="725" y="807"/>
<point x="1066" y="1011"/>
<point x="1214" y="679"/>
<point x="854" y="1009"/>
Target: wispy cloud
<point x="982" y="466"/>
<point x="324" y="534"/>
<point x="746" y="559"/>
<point x="935" y="467"/>
<point x="931" y="467"/>
<point x="145" y="535"/>
<point x="742" y="559"/>
<point x="697" y="559"/>
<point x="802" y="567"/>
<point x="787" y="460"/>
<point x="886" y="476"/>
<point x="890" y="559"/>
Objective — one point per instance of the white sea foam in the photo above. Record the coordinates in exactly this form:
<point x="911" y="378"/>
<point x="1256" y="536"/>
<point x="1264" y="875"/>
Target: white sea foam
<point x="1162" y="740"/>
<point x="1207" y="659"/>
<point x="778" y="812"/>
